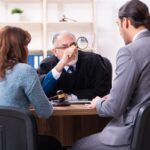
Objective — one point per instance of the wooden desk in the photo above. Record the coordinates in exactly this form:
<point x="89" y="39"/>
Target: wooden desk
<point x="71" y="123"/>
<point x="74" y="110"/>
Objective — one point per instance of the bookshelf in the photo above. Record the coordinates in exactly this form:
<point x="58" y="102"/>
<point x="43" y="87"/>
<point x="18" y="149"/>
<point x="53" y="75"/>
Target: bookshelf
<point x="42" y="19"/>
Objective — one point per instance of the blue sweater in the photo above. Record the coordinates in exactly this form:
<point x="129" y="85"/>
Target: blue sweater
<point x="48" y="83"/>
<point x="21" y="88"/>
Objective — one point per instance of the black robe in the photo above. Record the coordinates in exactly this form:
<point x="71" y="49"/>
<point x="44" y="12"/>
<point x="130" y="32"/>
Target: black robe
<point x="92" y="77"/>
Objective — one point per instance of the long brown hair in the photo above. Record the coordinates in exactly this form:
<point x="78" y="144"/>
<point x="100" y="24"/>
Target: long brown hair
<point x="13" y="47"/>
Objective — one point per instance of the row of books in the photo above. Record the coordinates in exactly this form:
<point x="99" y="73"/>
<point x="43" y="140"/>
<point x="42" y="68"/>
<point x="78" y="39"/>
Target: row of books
<point x="34" y="60"/>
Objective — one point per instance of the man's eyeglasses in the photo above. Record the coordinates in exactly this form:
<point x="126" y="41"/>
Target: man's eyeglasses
<point x="66" y="46"/>
<point x="81" y="43"/>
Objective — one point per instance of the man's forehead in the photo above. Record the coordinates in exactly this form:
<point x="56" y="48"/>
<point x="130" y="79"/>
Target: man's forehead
<point x="65" y="36"/>
<point x="65" y="39"/>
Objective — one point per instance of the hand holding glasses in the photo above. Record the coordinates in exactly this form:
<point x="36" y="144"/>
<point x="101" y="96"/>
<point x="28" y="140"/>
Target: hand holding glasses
<point x="81" y="43"/>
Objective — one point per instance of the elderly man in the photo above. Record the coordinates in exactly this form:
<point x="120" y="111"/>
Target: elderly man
<point x="87" y="75"/>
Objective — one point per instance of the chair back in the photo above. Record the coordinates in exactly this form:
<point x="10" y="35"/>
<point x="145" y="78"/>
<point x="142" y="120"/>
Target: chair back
<point x="108" y="67"/>
<point x="141" y="133"/>
<point x="18" y="130"/>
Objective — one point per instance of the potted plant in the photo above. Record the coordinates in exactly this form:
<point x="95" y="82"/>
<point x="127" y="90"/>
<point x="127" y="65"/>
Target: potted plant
<point x="16" y="13"/>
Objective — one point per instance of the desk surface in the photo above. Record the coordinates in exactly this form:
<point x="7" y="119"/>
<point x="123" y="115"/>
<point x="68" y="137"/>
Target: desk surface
<point x="72" y="110"/>
<point x="80" y="109"/>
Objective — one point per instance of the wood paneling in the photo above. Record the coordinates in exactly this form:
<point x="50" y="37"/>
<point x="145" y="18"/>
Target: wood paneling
<point x="69" y="126"/>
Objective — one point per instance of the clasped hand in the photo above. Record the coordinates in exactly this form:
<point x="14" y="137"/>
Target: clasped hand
<point x="95" y="100"/>
<point x="69" y="55"/>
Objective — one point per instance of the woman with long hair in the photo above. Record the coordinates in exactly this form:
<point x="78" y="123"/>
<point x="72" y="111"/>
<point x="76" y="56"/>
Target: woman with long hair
<point x="19" y="83"/>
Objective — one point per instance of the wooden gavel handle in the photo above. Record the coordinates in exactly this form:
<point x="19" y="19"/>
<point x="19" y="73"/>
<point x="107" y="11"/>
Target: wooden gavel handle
<point x="53" y="98"/>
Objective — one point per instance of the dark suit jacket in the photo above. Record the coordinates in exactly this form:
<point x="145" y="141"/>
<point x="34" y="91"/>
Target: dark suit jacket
<point x="92" y="77"/>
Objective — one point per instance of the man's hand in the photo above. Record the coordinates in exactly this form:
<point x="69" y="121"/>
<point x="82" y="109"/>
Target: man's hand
<point x="93" y="102"/>
<point x="69" y="55"/>
<point x="105" y="97"/>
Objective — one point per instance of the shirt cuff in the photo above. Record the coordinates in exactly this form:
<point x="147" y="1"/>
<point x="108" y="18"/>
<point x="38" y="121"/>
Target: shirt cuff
<point x="72" y="97"/>
<point x="56" y="74"/>
<point x="99" y="106"/>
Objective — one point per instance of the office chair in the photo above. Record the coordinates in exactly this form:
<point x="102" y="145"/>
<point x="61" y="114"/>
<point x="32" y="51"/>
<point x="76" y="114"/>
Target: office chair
<point x="108" y="67"/>
<point x="141" y="133"/>
<point x="18" y="129"/>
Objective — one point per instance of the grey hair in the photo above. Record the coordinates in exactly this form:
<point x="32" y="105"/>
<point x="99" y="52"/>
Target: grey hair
<point x="61" y="33"/>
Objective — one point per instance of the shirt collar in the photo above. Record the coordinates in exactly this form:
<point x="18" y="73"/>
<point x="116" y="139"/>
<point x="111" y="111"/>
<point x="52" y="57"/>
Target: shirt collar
<point x="67" y="67"/>
<point x="137" y="34"/>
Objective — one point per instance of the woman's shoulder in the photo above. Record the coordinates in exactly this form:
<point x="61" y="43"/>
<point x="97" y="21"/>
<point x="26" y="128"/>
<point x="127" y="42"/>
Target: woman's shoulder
<point x="25" y="69"/>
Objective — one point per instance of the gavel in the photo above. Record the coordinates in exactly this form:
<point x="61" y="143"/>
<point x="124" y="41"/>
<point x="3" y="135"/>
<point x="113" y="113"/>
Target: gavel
<point x="60" y="96"/>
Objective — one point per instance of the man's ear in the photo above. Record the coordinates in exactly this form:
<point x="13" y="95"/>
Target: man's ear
<point x="127" y="22"/>
<point x="53" y="51"/>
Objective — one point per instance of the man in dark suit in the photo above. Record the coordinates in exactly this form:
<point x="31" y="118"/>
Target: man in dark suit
<point x="86" y="76"/>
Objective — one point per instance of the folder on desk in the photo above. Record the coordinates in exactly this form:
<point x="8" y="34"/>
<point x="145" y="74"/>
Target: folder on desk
<point x="70" y="102"/>
<point x="79" y="102"/>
